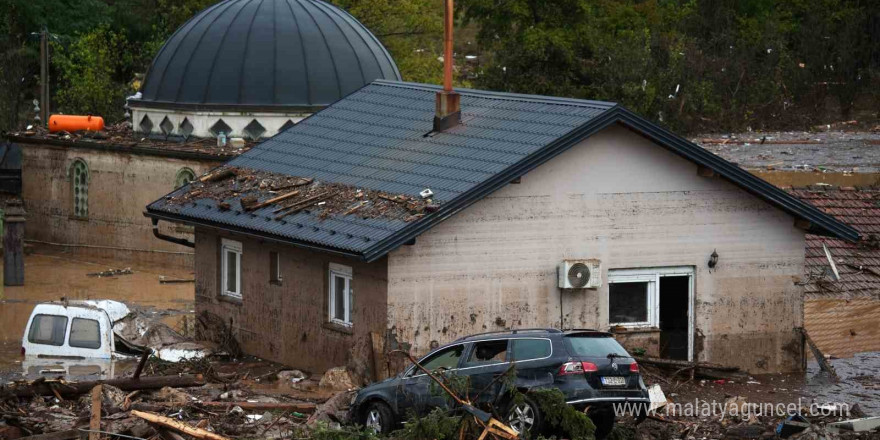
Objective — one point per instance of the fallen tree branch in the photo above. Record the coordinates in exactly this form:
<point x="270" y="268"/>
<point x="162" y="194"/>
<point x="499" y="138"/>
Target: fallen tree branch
<point x="303" y="407"/>
<point x="178" y="426"/>
<point x="45" y="388"/>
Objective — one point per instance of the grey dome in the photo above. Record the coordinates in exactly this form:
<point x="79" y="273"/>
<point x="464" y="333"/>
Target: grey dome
<point x="272" y="54"/>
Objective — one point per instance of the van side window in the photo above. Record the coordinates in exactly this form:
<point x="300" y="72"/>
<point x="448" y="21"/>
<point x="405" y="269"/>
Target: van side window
<point x="48" y="330"/>
<point x="526" y="349"/>
<point x="488" y="352"/>
<point x="85" y="333"/>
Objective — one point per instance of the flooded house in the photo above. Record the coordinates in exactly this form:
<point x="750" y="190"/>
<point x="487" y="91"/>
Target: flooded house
<point x="425" y="214"/>
<point x="842" y="278"/>
<point x="86" y="192"/>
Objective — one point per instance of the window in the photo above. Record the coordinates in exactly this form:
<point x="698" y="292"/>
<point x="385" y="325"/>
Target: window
<point x="274" y="267"/>
<point x="594" y="346"/>
<point x="634" y="294"/>
<point x="488" y="352"/>
<point x="447" y="358"/>
<point x="184" y="177"/>
<point x="85" y="333"/>
<point x="231" y="268"/>
<point x="48" y="329"/>
<point x="632" y="299"/>
<point x="79" y="178"/>
<point x="527" y="349"/>
<point x="340" y="294"/>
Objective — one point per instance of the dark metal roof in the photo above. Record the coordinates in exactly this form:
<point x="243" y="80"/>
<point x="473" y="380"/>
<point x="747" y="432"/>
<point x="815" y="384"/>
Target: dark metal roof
<point x="266" y="53"/>
<point x="380" y="138"/>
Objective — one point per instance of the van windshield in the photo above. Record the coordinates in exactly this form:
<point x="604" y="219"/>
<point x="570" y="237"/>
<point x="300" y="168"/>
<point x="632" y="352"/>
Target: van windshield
<point x="594" y="346"/>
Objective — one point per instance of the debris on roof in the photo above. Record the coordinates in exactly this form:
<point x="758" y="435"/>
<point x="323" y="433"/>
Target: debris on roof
<point x="121" y="135"/>
<point x="279" y="196"/>
<point x="858" y="264"/>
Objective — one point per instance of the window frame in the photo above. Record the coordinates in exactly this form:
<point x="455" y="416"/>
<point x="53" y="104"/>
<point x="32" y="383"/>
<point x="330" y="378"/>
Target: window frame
<point x="185" y="171"/>
<point x="275" y="276"/>
<point x="63" y="336"/>
<point x="84" y="188"/>
<point x="346" y="273"/>
<point x="652" y="275"/>
<point x="512" y="342"/>
<point x="414" y="371"/>
<point x="652" y="298"/>
<point x="226" y="246"/>
<point x="70" y="334"/>
<point x="466" y="362"/>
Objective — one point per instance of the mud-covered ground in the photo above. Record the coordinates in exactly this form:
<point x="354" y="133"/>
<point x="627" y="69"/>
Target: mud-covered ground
<point x="828" y="151"/>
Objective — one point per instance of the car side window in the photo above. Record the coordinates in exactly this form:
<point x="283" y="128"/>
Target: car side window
<point x="85" y="333"/>
<point x="527" y="349"/>
<point x="447" y="358"/>
<point x="488" y="352"/>
<point x="48" y="330"/>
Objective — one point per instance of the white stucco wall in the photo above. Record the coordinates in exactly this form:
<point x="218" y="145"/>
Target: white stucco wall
<point x="202" y="121"/>
<point x="631" y="203"/>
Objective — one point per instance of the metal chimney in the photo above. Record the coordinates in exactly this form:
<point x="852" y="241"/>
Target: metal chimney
<point x="448" y="110"/>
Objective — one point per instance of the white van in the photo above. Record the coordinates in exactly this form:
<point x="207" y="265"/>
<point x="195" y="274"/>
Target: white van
<point x="75" y="338"/>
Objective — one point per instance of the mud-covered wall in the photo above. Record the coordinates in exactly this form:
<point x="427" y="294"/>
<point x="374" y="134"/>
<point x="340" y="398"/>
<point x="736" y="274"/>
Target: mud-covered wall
<point x="120" y="187"/>
<point x="622" y="199"/>
<point x="842" y="326"/>
<point x="288" y="322"/>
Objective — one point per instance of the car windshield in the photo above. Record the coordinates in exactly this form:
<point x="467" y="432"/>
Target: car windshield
<point x="594" y="346"/>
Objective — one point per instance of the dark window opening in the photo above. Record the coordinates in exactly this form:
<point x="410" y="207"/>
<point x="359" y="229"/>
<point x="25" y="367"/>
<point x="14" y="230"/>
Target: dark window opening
<point x="488" y="352"/>
<point x="628" y="302"/>
<point x="274" y="267"/>
<point x="525" y="349"/>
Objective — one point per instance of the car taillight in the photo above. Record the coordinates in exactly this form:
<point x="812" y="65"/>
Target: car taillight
<point x="633" y="367"/>
<point x="22" y="351"/>
<point x="577" y="368"/>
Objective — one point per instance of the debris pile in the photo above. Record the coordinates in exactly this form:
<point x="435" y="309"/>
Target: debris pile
<point x="122" y="135"/>
<point x="279" y="195"/>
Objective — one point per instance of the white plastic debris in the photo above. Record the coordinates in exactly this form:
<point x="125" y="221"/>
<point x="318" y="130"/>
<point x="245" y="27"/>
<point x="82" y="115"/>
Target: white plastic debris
<point x="658" y="399"/>
<point x="426" y="193"/>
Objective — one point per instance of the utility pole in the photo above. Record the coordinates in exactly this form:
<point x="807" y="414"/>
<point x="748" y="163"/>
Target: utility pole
<point x="44" y="76"/>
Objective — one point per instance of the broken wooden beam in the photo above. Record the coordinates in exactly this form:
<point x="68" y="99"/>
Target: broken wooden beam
<point x="217" y="175"/>
<point x="95" y="420"/>
<point x="303" y="407"/>
<point x="271" y="201"/>
<point x="142" y="363"/>
<point x="175" y="425"/>
<point x="299" y="206"/>
<point x="704" y="370"/>
<point x="45" y="388"/>
<point x="824" y="365"/>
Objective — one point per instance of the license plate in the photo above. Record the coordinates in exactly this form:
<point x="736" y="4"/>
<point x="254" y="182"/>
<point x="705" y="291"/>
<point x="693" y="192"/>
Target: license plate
<point x="614" y="381"/>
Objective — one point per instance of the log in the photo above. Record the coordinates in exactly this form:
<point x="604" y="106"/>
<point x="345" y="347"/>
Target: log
<point x="271" y="201"/>
<point x="178" y="426"/>
<point x="703" y="370"/>
<point x="95" y="420"/>
<point x="142" y="363"/>
<point x="217" y="175"/>
<point x="44" y="388"/>
<point x="379" y="370"/>
<point x="824" y="365"/>
<point x="303" y="407"/>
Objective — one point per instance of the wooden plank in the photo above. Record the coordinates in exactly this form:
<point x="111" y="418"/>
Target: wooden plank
<point x="379" y="370"/>
<point x="95" y="420"/>
<point x="178" y="426"/>
<point x="271" y="201"/>
<point x="45" y="388"/>
<point x="820" y="358"/>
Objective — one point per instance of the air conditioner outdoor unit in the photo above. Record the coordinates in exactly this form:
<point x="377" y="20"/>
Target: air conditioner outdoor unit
<point x="580" y="274"/>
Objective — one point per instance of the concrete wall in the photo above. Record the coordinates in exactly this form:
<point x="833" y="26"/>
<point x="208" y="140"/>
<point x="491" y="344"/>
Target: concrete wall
<point x="202" y="121"/>
<point x="622" y="199"/>
<point x="288" y="323"/>
<point x="120" y="187"/>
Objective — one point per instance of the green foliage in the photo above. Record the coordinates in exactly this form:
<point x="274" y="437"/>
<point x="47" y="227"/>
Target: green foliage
<point x="88" y="70"/>
<point x="562" y="417"/>
<point x="439" y="424"/>
<point x="691" y="64"/>
<point x="322" y="431"/>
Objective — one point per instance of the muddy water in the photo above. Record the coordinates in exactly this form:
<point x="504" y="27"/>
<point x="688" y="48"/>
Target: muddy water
<point x="50" y="275"/>
<point x="859" y="384"/>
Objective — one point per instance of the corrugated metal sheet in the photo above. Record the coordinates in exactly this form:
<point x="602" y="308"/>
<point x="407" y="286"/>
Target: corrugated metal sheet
<point x="381" y="138"/>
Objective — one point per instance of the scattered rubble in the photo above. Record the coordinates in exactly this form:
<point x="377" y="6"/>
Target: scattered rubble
<point x="247" y="190"/>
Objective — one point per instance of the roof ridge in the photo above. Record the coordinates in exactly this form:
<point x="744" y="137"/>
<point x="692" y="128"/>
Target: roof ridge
<point x="509" y="96"/>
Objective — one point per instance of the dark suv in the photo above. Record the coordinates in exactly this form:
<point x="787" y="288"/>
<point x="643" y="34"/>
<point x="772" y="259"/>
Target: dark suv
<point x="588" y="366"/>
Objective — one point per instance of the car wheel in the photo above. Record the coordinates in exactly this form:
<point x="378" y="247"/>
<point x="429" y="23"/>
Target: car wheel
<point x="377" y="417"/>
<point x="524" y="417"/>
<point x="604" y="421"/>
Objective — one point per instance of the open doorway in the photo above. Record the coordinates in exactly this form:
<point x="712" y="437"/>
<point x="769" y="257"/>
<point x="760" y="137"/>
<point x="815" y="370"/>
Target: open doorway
<point x="674" y="305"/>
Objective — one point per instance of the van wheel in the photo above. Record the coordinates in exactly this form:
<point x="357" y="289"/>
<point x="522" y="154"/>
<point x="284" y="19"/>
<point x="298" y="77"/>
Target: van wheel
<point x="377" y="417"/>
<point x="604" y="421"/>
<point x="524" y="417"/>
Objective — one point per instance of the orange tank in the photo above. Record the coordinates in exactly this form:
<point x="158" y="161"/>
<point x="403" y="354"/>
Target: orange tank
<point x="75" y="123"/>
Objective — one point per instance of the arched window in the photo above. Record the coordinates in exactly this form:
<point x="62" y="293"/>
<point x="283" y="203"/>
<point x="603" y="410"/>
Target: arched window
<point x="79" y="179"/>
<point x="184" y="176"/>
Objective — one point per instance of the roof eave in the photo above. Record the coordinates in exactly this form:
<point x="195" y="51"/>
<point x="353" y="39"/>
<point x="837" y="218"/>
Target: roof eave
<point x="190" y="221"/>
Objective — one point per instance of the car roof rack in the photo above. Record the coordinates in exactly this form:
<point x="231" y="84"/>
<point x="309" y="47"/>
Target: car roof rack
<point x="510" y="332"/>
